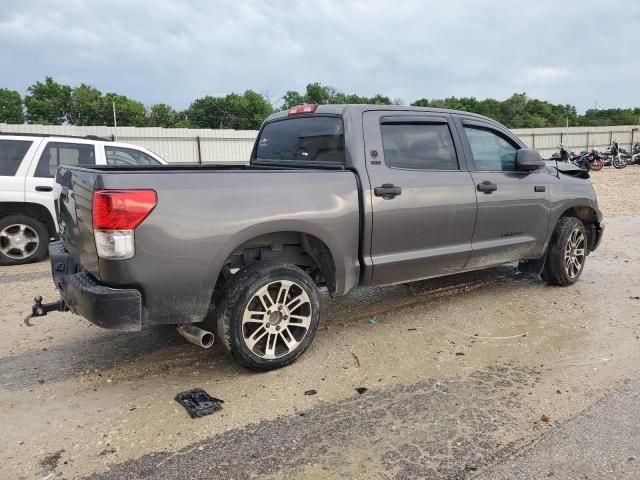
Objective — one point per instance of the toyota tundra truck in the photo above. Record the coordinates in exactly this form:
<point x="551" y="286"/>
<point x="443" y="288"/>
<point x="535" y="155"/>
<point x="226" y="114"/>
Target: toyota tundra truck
<point x="334" y="197"/>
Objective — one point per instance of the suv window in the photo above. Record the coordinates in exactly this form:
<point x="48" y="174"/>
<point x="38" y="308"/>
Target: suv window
<point x="128" y="156"/>
<point x="303" y="139"/>
<point x="11" y="154"/>
<point x="418" y="146"/>
<point x="62" y="153"/>
<point x="491" y="151"/>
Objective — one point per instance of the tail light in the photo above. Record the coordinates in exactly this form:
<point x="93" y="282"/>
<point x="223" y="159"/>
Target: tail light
<point x="301" y="109"/>
<point x="116" y="214"/>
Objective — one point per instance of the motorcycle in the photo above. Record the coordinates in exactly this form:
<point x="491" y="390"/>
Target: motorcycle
<point x="565" y="155"/>
<point x="618" y="159"/>
<point x="635" y="155"/>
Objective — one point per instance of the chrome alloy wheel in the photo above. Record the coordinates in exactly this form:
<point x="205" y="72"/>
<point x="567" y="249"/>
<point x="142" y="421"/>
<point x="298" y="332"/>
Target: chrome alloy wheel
<point x="574" y="253"/>
<point x="19" y="241"/>
<point x="277" y="319"/>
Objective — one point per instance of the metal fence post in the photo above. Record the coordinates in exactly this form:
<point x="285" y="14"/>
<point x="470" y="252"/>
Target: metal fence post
<point x="199" y="150"/>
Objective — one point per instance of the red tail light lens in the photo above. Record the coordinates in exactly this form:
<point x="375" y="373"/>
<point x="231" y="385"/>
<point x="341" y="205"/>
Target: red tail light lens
<point x="122" y="209"/>
<point x="301" y="109"/>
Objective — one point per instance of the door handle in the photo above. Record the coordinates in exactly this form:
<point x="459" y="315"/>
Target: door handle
<point x="487" y="187"/>
<point x="43" y="188"/>
<point x="387" y="191"/>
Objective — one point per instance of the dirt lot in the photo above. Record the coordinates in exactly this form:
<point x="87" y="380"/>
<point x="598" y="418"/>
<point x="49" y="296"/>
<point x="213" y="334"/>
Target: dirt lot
<point x="461" y="373"/>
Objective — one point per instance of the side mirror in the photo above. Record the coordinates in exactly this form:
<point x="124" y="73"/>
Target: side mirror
<point x="528" y="159"/>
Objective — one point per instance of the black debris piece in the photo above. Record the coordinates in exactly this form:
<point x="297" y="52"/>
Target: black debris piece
<point x="310" y="392"/>
<point x="361" y="390"/>
<point x="634" y="297"/>
<point x="198" y="402"/>
<point x="459" y="353"/>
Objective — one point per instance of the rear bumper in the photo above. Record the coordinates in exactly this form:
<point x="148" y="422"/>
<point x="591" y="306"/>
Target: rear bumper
<point x="104" y="306"/>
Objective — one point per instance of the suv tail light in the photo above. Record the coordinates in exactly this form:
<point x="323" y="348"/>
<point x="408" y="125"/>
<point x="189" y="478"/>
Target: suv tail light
<point x="301" y="109"/>
<point x="116" y="214"/>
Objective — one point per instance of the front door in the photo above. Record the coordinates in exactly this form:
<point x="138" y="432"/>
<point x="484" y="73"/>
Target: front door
<point x="513" y="206"/>
<point x="423" y="198"/>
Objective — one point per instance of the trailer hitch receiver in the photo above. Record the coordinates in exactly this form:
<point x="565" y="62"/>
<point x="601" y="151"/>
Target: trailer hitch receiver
<point x="40" y="309"/>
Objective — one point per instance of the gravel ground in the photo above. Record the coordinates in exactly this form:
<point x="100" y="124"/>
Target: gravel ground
<point x="460" y="373"/>
<point x="618" y="190"/>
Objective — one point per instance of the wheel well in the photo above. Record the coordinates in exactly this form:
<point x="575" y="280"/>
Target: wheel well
<point x="306" y="251"/>
<point x="34" y="210"/>
<point x="588" y="217"/>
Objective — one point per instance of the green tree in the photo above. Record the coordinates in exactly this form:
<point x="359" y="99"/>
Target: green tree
<point x="128" y="112"/>
<point x="88" y="106"/>
<point x="11" y="110"/>
<point x="162" y="115"/>
<point x="246" y="111"/>
<point x="48" y="102"/>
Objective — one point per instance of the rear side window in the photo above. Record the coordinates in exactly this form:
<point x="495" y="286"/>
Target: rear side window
<point x="128" y="156"/>
<point x="304" y="139"/>
<point x="59" y="153"/>
<point x="418" y="146"/>
<point x="11" y="154"/>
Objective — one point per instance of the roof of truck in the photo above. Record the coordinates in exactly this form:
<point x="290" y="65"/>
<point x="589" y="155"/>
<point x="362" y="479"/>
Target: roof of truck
<point x="359" y="108"/>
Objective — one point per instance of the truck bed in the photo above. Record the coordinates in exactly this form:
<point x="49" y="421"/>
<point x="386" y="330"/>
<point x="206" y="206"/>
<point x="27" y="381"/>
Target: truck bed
<point x="203" y="213"/>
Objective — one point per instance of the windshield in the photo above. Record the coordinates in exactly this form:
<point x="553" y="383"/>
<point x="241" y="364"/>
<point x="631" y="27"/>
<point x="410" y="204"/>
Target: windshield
<point x="312" y="139"/>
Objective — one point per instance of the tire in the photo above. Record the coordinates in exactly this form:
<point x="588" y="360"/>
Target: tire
<point x="597" y="165"/>
<point x="23" y="239"/>
<point x="619" y="162"/>
<point x="567" y="253"/>
<point x="268" y="315"/>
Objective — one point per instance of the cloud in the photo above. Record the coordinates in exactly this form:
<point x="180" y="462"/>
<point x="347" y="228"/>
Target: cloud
<point x="175" y="50"/>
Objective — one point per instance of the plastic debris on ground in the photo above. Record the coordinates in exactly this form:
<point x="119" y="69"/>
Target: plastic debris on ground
<point x="373" y="321"/>
<point x="361" y="390"/>
<point x="310" y="392"/>
<point x="198" y="402"/>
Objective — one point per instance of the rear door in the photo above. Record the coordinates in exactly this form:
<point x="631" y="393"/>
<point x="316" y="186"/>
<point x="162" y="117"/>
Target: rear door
<point x="513" y="206"/>
<point x="424" y="200"/>
<point x="15" y="153"/>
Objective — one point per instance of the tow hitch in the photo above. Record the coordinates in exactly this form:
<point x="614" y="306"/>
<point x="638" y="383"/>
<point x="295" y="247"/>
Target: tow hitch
<point x="40" y="309"/>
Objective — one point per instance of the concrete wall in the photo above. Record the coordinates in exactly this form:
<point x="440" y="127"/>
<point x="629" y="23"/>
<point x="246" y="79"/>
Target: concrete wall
<point x="215" y="146"/>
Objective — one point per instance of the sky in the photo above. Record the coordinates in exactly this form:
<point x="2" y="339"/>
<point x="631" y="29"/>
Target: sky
<point x="580" y="52"/>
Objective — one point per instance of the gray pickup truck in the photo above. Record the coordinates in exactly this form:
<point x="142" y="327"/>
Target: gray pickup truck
<point x="335" y="196"/>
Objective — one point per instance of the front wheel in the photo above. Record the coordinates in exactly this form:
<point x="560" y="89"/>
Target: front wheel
<point x="619" y="162"/>
<point x="597" y="164"/>
<point x="567" y="253"/>
<point x="268" y="315"/>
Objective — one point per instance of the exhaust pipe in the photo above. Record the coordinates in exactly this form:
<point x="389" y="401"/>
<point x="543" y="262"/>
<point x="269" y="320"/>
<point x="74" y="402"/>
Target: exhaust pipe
<point x="196" y="335"/>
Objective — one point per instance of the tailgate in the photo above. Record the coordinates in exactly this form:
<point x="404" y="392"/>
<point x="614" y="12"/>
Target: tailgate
<point x="74" y="203"/>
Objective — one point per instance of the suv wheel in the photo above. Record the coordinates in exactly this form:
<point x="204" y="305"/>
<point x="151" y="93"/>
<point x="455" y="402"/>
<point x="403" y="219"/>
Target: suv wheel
<point x="23" y="239"/>
<point x="268" y="315"/>
<point x="567" y="253"/>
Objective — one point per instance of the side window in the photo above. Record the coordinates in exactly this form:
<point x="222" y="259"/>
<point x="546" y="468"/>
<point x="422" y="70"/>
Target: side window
<point x="61" y="153"/>
<point x="128" y="156"/>
<point x="11" y="154"/>
<point x="418" y="146"/>
<point x="491" y="151"/>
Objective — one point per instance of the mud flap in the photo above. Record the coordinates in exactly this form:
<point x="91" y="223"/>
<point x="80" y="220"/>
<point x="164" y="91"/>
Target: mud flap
<point x="533" y="266"/>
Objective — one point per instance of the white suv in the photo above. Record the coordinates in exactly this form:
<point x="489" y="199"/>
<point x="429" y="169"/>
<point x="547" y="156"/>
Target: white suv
<point x="27" y="168"/>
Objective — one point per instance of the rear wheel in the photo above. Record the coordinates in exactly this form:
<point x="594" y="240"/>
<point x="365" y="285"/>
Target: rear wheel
<point x="268" y="315"/>
<point x="567" y="253"/>
<point x="23" y="239"/>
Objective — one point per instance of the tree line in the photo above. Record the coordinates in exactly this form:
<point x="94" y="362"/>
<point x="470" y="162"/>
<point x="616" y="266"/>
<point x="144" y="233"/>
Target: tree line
<point x="53" y="103"/>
